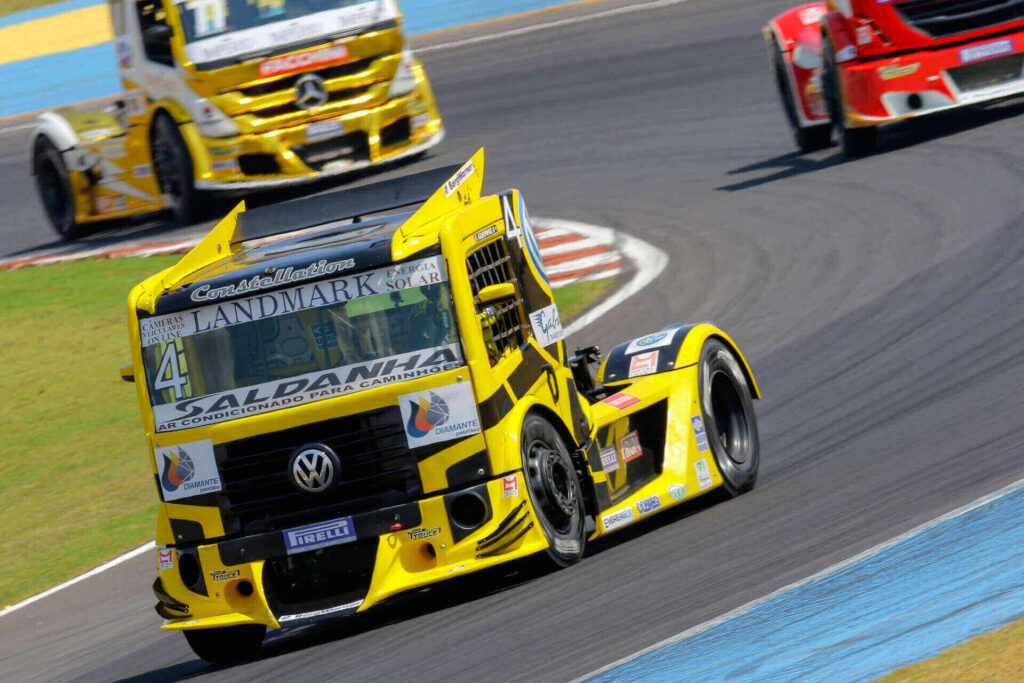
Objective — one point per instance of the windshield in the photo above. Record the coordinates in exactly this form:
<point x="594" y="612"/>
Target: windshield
<point x="208" y="18"/>
<point x="298" y="345"/>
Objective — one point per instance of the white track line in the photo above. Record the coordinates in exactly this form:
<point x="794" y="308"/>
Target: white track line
<point x="82" y="577"/>
<point x="629" y="9"/>
<point x="700" y="628"/>
<point x="647" y="258"/>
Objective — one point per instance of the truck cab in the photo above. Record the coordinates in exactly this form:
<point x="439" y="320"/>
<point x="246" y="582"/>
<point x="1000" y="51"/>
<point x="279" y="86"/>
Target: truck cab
<point x="342" y="406"/>
<point x="231" y="96"/>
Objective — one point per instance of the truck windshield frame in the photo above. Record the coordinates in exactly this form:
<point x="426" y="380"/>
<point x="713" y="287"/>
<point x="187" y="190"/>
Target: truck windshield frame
<point x="298" y="345"/>
<point x="215" y="18"/>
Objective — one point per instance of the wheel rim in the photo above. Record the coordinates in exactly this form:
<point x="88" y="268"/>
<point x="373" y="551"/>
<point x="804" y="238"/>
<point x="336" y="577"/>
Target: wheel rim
<point x="552" y="485"/>
<point x="730" y="417"/>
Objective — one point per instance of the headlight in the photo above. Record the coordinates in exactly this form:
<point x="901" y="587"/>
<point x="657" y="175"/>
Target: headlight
<point x="405" y="80"/>
<point x="211" y="121"/>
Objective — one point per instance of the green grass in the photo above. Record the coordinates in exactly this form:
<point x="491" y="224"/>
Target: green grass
<point x="75" y="481"/>
<point x="12" y="6"/>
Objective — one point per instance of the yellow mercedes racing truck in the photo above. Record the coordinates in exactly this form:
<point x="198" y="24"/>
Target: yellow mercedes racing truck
<point x="232" y="96"/>
<point x="341" y="406"/>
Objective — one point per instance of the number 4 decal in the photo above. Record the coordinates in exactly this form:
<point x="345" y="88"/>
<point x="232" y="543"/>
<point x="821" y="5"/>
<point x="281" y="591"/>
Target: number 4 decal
<point x="169" y="363"/>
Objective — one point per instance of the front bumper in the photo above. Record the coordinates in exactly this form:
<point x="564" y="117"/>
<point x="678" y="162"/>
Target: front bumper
<point x="886" y="90"/>
<point x="254" y="579"/>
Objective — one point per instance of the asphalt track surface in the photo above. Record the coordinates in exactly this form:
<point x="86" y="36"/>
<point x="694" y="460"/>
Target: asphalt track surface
<point x="878" y="300"/>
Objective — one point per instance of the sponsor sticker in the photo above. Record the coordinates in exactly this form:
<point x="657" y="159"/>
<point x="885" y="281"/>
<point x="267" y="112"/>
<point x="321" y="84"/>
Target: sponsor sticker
<point x="629" y="446"/>
<point x="456" y="568"/>
<point x="125" y="54"/>
<point x="186" y="470"/>
<point x="225" y="150"/>
<point x="646" y="506"/>
<point x="455" y="182"/>
<point x="699" y="433"/>
<point x="643" y="364"/>
<point x="303" y="60"/>
<point x="113" y="151"/>
<point x="887" y="73"/>
<point x="107" y="204"/>
<point x="320" y="612"/>
<point x="439" y="414"/>
<point x="304" y="297"/>
<point x="136" y="103"/>
<point x="313" y="386"/>
<point x="420" y="534"/>
<point x="810" y="15"/>
<point x="547" y="325"/>
<point x="621" y="401"/>
<point x="320" y="535"/>
<point x="222" y="575"/>
<point x="703" y="473"/>
<point x="650" y="341"/>
<point x="324" y="336"/>
<point x="485" y="233"/>
<point x="976" y="53"/>
<point x="864" y="35"/>
<point x="510" y="486"/>
<point x="321" y="130"/>
<point x="143" y="171"/>
<point x="224" y="165"/>
<point x="677" y="491"/>
<point x="165" y="556"/>
<point x="609" y="459"/>
<point x="617" y="519"/>
<point x="420" y="120"/>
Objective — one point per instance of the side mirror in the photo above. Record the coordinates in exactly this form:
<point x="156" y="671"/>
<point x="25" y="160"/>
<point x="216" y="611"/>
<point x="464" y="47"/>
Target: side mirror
<point x="504" y="290"/>
<point x="128" y="372"/>
<point x="157" y="33"/>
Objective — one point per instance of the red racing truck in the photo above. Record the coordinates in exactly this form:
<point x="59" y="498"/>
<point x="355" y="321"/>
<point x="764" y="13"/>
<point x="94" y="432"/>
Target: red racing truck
<point x="858" y="64"/>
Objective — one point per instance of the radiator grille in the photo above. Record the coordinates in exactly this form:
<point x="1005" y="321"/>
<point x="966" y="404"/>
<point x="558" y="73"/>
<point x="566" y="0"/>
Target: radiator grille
<point x="940" y="18"/>
<point x="489" y="265"/>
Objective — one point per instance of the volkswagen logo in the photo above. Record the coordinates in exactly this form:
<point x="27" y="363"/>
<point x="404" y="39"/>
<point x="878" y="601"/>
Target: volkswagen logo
<point x="314" y="468"/>
<point x="310" y="92"/>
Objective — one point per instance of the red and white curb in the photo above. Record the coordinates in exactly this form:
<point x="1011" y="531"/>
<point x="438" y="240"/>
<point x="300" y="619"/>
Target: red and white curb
<point x="570" y="255"/>
<point x="590" y="252"/>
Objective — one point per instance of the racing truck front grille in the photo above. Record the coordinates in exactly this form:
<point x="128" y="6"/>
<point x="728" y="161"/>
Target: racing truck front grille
<point x="987" y="73"/>
<point x="332" y="96"/>
<point x="319" y="579"/>
<point x="939" y="18"/>
<point x="377" y="470"/>
<point x="289" y="82"/>
<point x="316" y="155"/>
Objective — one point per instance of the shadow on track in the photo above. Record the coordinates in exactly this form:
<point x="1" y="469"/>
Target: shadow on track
<point x="894" y="137"/>
<point x="429" y="600"/>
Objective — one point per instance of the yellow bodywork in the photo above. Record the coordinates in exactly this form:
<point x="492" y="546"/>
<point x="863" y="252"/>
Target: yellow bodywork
<point x="460" y="223"/>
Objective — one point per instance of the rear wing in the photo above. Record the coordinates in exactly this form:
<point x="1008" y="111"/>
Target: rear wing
<point x="309" y="212"/>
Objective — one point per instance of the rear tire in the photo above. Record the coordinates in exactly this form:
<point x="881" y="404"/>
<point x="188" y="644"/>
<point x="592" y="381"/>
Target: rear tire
<point x="175" y="172"/>
<point x="54" y="187"/>
<point x="227" y="645"/>
<point x="856" y="142"/>
<point x="810" y="138"/>
<point x="554" y="489"/>
<point x="729" y="421"/>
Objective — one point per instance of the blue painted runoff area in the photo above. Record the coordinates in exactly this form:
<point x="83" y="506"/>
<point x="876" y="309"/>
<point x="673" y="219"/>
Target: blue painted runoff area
<point x="47" y="11"/>
<point x="87" y="73"/>
<point x="904" y="604"/>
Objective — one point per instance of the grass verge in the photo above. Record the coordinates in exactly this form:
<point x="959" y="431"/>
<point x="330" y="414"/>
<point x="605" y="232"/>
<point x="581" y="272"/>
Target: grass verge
<point x="74" y="477"/>
<point x="994" y="656"/>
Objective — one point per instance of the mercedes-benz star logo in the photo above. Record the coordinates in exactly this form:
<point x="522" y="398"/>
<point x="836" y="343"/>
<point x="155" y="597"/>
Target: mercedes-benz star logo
<point x="310" y="92"/>
<point x="313" y="468"/>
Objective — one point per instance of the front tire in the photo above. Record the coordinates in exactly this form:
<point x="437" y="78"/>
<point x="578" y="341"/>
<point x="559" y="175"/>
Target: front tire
<point x="175" y="172"/>
<point x="856" y="142"/>
<point x="729" y="421"/>
<point x="227" y="645"/>
<point x="809" y="138"/>
<point x="554" y="489"/>
<point x="54" y="187"/>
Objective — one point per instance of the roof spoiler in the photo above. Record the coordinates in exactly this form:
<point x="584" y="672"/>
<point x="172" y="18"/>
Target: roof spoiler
<point x="309" y="212"/>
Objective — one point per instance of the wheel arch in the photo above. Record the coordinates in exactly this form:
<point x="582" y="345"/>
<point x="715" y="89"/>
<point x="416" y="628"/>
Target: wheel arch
<point x="689" y="352"/>
<point x="58" y="130"/>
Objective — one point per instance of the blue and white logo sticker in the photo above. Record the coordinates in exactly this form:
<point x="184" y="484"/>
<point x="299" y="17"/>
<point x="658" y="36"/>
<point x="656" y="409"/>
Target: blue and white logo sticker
<point x="609" y="459"/>
<point x="995" y="48"/>
<point x="320" y="535"/>
<point x="522" y="230"/>
<point x="650" y="341"/>
<point x="698" y="431"/>
<point x="646" y="506"/>
<point x="617" y="519"/>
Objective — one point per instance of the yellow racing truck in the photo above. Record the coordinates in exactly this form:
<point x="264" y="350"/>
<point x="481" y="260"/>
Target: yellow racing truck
<point x="342" y="406"/>
<point x="231" y="96"/>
